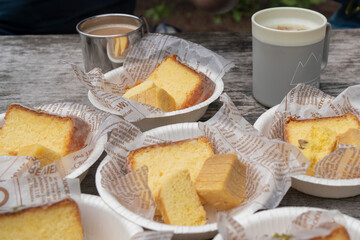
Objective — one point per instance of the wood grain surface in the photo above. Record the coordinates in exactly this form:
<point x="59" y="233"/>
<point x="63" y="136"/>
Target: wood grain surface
<point x="31" y="73"/>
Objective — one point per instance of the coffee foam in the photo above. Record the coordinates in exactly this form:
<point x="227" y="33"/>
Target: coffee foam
<point x="264" y="22"/>
<point x="294" y="23"/>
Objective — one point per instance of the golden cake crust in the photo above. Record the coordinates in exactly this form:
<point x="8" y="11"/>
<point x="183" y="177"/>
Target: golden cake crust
<point x="166" y="158"/>
<point x="130" y="158"/>
<point x="312" y="121"/>
<point x="221" y="181"/>
<point x="78" y="134"/>
<point x="58" y="204"/>
<point x="23" y="216"/>
<point x="200" y="92"/>
<point x="178" y="201"/>
<point x="317" y="138"/>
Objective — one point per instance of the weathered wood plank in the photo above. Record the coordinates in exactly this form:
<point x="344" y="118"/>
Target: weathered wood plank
<point x="31" y="73"/>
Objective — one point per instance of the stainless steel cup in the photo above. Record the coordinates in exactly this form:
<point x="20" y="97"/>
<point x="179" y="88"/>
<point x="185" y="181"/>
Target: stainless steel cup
<point x="109" y="51"/>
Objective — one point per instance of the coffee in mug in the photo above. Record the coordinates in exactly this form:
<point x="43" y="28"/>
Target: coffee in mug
<point x="286" y="27"/>
<point x="290" y="46"/>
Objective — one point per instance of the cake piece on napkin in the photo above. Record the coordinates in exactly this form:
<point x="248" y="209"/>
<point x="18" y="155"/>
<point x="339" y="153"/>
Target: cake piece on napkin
<point x="317" y="138"/>
<point x="148" y="93"/>
<point x="221" y="181"/>
<point x="183" y="83"/>
<point x="178" y="201"/>
<point x="167" y="158"/>
<point x="24" y="126"/>
<point x="59" y="220"/>
<point x="43" y="154"/>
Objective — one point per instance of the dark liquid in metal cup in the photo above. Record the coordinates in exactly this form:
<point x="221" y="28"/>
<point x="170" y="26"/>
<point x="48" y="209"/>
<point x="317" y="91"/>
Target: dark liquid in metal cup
<point x="112" y="30"/>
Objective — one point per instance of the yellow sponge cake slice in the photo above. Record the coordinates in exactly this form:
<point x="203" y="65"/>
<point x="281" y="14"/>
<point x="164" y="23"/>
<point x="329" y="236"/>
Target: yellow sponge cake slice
<point x="57" y="221"/>
<point x="178" y="201"/>
<point x="148" y="93"/>
<point x="25" y="127"/>
<point x="317" y="144"/>
<point x="165" y="159"/>
<point x="316" y="138"/>
<point x="139" y="88"/>
<point x="221" y="181"/>
<point x="183" y="83"/>
<point x="43" y="154"/>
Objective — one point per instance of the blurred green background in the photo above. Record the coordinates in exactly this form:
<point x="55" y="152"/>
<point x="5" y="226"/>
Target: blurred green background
<point x="184" y="15"/>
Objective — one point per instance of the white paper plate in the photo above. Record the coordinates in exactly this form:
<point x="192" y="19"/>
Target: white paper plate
<point x="320" y="187"/>
<point x="191" y="114"/>
<point x="279" y="219"/>
<point x="101" y="222"/>
<point x="81" y="171"/>
<point x="175" y="132"/>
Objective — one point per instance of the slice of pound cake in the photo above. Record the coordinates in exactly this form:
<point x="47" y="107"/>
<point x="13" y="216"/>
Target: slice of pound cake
<point x="57" y="221"/>
<point x="43" y="154"/>
<point x="327" y="231"/>
<point x="24" y="127"/>
<point x="221" y="181"/>
<point x="317" y="138"/>
<point x="178" y="201"/>
<point x="165" y="159"/>
<point x="148" y="93"/>
<point x="183" y="83"/>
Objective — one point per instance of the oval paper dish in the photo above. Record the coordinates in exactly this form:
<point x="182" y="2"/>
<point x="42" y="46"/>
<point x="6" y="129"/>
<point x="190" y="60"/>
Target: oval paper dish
<point x="320" y="187"/>
<point x="175" y="132"/>
<point x="101" y="222"/>
<point x="191" y="114"/>
<point x="279" y="219"/>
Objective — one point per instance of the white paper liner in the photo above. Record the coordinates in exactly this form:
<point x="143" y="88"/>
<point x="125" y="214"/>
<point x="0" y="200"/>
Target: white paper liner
<point x="271" y="163"/>
<point x="76" y="163"/>
<point x="18" y="193"/>
<point x="271" y="124"/>
<point x="284" y="220"/>
<point x="101" y="222"/>
<point x="140" y="62"/>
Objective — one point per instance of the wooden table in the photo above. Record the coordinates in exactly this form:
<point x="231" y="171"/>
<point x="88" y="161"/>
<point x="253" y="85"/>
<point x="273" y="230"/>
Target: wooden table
<point x="31" y="74"/>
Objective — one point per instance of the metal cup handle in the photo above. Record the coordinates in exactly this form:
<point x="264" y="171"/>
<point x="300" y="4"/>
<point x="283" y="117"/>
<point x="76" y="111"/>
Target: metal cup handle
<point x="146" y="25"/>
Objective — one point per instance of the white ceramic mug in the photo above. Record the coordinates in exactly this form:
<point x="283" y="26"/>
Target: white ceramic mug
<point x="290" y="46"/>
